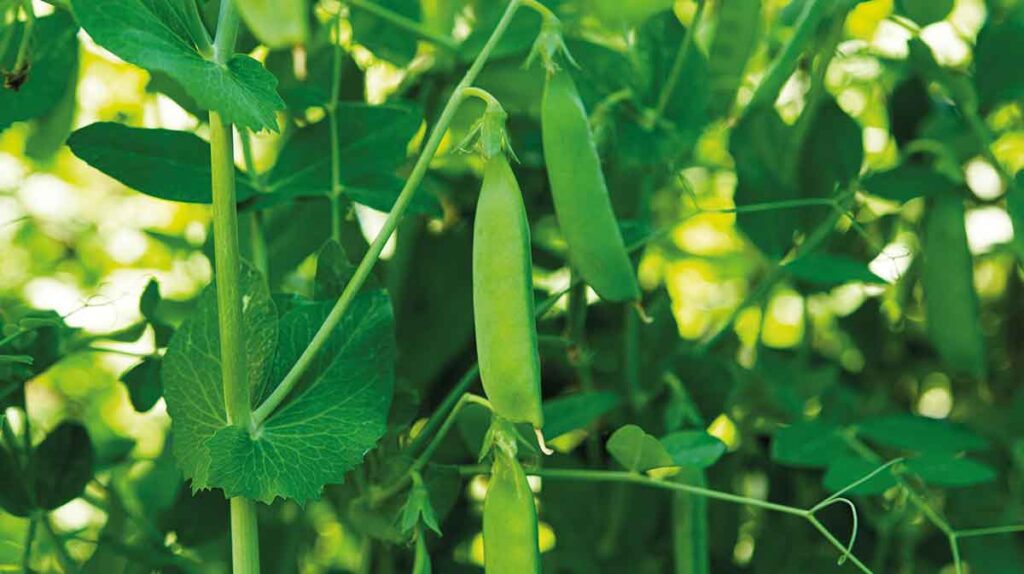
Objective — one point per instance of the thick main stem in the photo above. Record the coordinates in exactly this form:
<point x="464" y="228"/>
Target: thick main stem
<point x="362" y="272"/>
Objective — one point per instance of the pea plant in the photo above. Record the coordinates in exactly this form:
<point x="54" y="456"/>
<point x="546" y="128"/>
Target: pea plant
<point x="567" y="285"/>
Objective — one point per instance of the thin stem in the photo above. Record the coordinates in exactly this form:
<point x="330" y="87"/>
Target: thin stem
<point x="678" y="65"/>
<point x="839" y="545"/>
<point x="854" y="485"/>
<point x="21" y="61"/>
<point x="954" y="548"/>
<point x="782" y="68"/>
<point x="990" y="531"/>
<point x="407" y="24"/>
<point x="26" y="552"/>
<point x="449" y="403"/>
<point x="67" y="564"/>
<point x="365" y="267"/>
<point x="198" y="30"/>
<point x="227" y="33"/>
<point x="332" y="117"/>
<point x="257" y="241"/>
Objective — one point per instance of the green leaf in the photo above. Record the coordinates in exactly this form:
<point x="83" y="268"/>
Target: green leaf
<point x="808" y="444"/>
<point x="161" y="163"/>
<point x="847" y="469"/>
<point x="381" y="37"/>
<point x="951" y="302"/>
<point x="737" y="31"/>
<point x="191" y="372"/>
<point x="53" y="56"/>
<point x="51" y="130"/>
<point x="418" y="508"/>
<point x="150" y="300"/>
<point x="373" y="144"/>
<point x="832" y="151"/>
<point x="830" y="270"/>
<point x="333" y="271"/>
<point x="693" y="449"/>
<point x="62" y="465"/>
<point x="143" y="383"/>
<point x="276" y="23"/>
<point x="907" y="182"/>
<point x="14" y="497"/>
<point x="997" y="77"/>
<point x="333" y="417"/>
<point x="152" y="34"/>
<point x="576" y="411"/>
<point x="950" y="471"/>
<point x="638" y="451"/>
<point x="925" y="12"/>
<point x="920" y="434"/>
<point x="761" y="146"/>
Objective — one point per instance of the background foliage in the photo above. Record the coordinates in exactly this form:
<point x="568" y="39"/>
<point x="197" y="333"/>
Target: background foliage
<point x="825" y="239"/>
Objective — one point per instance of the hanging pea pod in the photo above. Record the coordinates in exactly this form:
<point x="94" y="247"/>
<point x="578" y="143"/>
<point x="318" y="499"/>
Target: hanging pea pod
<point x="510" y="519"/>
<point x="690" y="526"/>
<point x="506" y="332"/>
<point x="582" y="204"/>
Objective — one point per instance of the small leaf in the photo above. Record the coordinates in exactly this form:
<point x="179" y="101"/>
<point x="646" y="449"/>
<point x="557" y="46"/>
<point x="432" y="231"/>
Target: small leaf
<point x="150" y="300"/>
<point x="382" y="37"/>
<point x="950" y="471"/>
<point x="62" y="465"/>
<point x="418" y="508"/>
<point x="150" y="35"/>
<point x="920" y="434"/>
<point x="693" y="449"/>
<point x="53" y="54"/>
<point x="143" y="382"/>
<point x="809" y="444"/>
<point x="830" y="270"/>
<point x="333" y="271"/>
<point x="951" y="302"/>
<point x="576" y="411"/>
<point x="166" y="164"/>
<point x="907" y="182"/>
<point x="638" y="451"/>
<point x="14" y="497"/>
<point x="847" y="469"/>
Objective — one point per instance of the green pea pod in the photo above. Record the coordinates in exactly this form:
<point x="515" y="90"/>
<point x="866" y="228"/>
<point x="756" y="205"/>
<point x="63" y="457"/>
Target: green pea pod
<point x="506" y="331"/>
<point x="690" y="526"/>
<point x="510" y="520"/>
<point x="580" y="193"/>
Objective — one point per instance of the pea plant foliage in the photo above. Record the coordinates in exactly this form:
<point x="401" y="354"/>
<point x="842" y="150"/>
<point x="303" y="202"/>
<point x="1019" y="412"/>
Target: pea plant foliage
<point x="575" y="286"/>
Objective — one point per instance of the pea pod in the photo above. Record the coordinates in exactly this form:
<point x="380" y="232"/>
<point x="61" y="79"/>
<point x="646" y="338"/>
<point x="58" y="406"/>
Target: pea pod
<point x="510" y="520"/>
<point x="506" y="332"/>
<point x="582" y="204"/>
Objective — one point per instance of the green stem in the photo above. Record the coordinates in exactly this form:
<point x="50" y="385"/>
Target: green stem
<point x="332" y="117"/>
<point x="257" y="241"/>
<point x="990" y="531"/>
<point x="678" y="65"/>
<point x="67" y="564"/>
<point x="365" y="267"/>
<point x="20" y="63"/>
<point x="228" y="266"/>
<point x="404" y="23"/>
<point x="26" y="552"/>
<point x="198" y="30"/>
<point x="837" y="544"/>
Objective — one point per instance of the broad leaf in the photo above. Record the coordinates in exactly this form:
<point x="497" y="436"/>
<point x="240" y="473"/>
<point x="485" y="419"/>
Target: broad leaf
<point x="14" y="497"/>
<point x="373" y="142"/>
<point x="950" y="471"/>
<point x="693" y="449"/>
<point x="53" y="55"/>
<point x="62" y="465"/>
<point x="335" y="415"/>
<point x="951" y="302"/>
<point x="832" y="151"/>
<point x="737" y="32"/>
<point x="638" y="451"/>
<point x="829" y="270"/>
<point x="920" y="434"/>
<point x="906" y="182"/>
<point x="810" y="444"/>
<point x="325" y="427"/>
<point x="191" y="371"/>
<point x="576" y="411"/>
<point x="333" y="271"/>
<point x="154" y="35"/>
<point x="847" y="469"/>
<point x="997" y="77"/>
<point x="166" y="164"/>
<point x="381" y="37"/>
